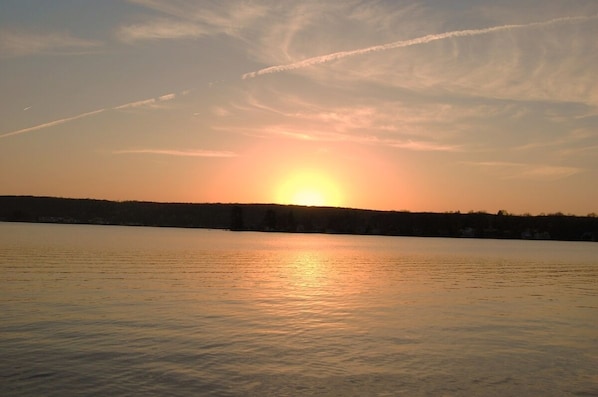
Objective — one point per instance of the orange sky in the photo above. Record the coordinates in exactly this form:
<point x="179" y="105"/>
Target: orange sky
<point x="408" y="105"/>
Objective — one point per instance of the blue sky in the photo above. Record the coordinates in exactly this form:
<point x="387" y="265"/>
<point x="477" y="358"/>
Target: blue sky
<point x="422" y="106"/>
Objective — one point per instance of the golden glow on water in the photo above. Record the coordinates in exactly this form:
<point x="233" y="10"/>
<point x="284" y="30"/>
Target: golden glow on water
<point x="307" y="271"/>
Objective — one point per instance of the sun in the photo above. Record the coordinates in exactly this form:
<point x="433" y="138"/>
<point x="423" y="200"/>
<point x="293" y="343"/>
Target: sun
<point x="308" y="197"/>
<point x="310" y="188"/>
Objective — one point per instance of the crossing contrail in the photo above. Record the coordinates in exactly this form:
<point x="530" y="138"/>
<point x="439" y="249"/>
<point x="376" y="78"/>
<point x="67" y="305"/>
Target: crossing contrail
<point x="407" y="43"/>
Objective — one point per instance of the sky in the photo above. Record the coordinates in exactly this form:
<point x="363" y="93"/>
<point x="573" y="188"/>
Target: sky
<point x="436" y="106"/>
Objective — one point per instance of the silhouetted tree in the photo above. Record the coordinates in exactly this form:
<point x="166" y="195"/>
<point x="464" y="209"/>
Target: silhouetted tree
<point x="270" y="222"/>
<point x="237" y="221"/>
<point x="19" y="216"/>
<point x="291" y="225"/>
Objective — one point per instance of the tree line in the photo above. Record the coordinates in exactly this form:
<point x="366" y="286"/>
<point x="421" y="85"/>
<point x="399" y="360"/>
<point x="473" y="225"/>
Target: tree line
<point x="298" y="219"/>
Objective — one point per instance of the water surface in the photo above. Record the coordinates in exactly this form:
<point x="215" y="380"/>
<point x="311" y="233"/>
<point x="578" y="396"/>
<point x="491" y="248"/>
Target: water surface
<point x="107" y="310"/>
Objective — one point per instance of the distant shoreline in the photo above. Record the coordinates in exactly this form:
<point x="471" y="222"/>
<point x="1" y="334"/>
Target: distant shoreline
<point x="298" y="219"/>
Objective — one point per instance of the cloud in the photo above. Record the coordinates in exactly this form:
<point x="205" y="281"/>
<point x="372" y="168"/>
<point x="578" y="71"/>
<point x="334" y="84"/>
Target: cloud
<point x="575" y="141"/>
<point x="513" y="170"/>
<point x="167" y="97"/>
<point x="550" y="64"/>
<point x="405" y="124"/>
<point x="322" y="135"/>
<point x="406" y="43"/>
<point x="180" y="153"/>
<point x="159" y="30"/>
<point x="16" y="43"/>
<point x="423" y="146"/>
<point x="585" y="150"/>
<point x="548" y="172"/>
<point x="273" y="112"/>
<point x="194" y="19"/>
<point x="52" y="123"/>
<point x="220" y="111"/>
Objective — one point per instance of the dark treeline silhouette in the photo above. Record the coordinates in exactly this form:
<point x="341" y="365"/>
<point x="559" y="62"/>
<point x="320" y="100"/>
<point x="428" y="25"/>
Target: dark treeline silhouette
<point x="301" y="219"/>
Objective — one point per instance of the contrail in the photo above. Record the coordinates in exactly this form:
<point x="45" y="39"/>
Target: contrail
<point x="184" y="153"/>
<point x="406" y="43"/>
<point x="166" y="97"/>
<point x="52" y="123"/>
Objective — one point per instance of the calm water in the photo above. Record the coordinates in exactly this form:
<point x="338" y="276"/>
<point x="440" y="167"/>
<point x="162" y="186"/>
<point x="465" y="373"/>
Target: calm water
<point x="102" y="310"/>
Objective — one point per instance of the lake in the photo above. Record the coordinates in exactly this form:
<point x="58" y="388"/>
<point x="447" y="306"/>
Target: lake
<point x="111" y="310"/>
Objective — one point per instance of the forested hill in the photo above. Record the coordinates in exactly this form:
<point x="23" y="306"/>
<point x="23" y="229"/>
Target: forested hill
<point x="291" y="218"/>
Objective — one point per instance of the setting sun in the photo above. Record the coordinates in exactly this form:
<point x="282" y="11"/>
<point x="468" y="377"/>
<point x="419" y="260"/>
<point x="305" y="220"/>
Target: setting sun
<point x="309" y="188"/>
<point x="308" y="197"/>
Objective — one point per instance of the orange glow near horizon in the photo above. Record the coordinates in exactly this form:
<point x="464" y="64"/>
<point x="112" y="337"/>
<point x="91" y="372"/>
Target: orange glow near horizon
<point x="311" y="188"/>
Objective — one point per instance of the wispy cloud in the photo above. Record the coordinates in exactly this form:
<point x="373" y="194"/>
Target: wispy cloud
<point x="179" y="153"/>
<point x="548" y="172"/>
<point x="579" y="137"/>
<point x="424" y="146"/>
<point x="52" y="123"/>
<point x="311" y="134"/>
<point x="167" y="97"/>
<point x="514" y="170"/>
<point x="397" y="123"/>
<point x="407" y="43"/>
<point x="220" y="111"/>
<point x="17" y="43"/>
<point x="160" y="29"/>
<point x="191" y="20"/>
<point x="198" y="18"/>
<point x="585" y="150"/>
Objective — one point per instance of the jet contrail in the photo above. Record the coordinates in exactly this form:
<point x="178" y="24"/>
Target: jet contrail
<point x="184" y="153"/>
<point x="51" y="123"/>
<point x="406" y="43"/>
<point x="166" y="97"/>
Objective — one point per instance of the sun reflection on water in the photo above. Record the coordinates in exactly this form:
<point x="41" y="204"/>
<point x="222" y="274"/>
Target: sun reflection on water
<point x="307" y="270"/>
